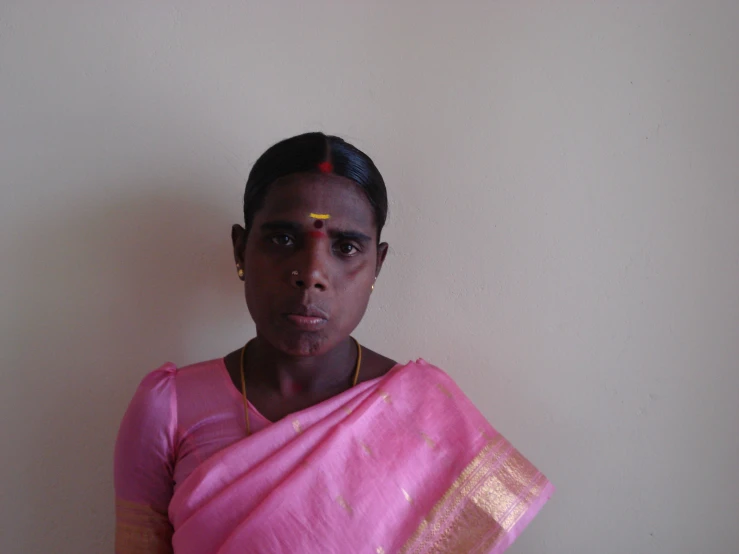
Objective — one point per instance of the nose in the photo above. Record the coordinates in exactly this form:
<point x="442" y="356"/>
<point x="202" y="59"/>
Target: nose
<point x="311" y="269"/>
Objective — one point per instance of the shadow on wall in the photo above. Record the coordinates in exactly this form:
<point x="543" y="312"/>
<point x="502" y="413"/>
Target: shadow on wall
<point x="111" y="288"/>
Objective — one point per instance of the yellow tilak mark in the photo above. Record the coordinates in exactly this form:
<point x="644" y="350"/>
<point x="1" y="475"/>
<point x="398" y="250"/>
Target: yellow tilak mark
<point x="320" y="216"/>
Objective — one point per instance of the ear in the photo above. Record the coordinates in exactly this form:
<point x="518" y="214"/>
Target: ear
<point x="381" y="254"/>
<point x="238" y="238"/>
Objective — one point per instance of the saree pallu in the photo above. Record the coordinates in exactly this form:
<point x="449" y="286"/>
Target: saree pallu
<point x="404" y="463"/>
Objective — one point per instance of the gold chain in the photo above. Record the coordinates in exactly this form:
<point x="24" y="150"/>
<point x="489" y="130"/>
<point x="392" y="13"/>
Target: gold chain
<point x="355" y="378"/>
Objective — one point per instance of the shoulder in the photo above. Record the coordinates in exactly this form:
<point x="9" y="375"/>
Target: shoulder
<point x="157" y="393"/>
<point x="201" y="380"/>
<point x="424" y="384"/>
<point x="155" y="385"/>
<point x="421" y="367"/>
<point x="153" y="401"/>
<point x="162" y="376"/>
<point x="169" y="376"/>
<point x="424" y="377"/>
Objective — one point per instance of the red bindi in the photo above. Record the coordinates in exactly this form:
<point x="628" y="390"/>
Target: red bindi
<point x="318" y="224"/>
<point x="325" y="167"/>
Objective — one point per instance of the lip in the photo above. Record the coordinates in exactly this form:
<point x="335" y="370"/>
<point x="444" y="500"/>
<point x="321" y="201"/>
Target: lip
<point x="307" y="318"/>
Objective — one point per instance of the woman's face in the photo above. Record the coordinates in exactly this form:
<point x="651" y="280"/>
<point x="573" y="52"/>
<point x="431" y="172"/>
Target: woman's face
<point x="308" y="280"/>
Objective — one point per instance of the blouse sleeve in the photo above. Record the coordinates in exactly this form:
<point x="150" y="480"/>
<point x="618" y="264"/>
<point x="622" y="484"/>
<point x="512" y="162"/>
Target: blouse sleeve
<point x="144" y="466"/>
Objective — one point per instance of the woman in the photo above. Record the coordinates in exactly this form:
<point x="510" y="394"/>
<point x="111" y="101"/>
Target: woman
<point x="303" y="441"/>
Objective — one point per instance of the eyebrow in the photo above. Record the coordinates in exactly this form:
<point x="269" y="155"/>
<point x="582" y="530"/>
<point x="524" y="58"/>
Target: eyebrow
<point x="298" y="227"/>
<point x="351" y="235"/>
<point x="280" y="226"/>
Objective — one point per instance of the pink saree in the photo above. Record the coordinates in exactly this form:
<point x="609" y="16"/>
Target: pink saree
<point x="404" y="463"/>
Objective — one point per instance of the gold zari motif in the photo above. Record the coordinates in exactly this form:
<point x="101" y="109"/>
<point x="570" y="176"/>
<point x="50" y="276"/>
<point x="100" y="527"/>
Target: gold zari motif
<point x="296" y="426"/>
<point x="444" y="390"/>
<point x="344" y="504"/>
<point x="429" y="441"/>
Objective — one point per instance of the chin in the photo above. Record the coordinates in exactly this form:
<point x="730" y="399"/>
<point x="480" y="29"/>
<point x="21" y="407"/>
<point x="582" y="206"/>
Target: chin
<point x="302" y="344"/>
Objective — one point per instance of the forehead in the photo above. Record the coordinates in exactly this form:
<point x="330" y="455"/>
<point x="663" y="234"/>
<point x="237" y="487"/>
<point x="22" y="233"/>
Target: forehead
<point x="297" y="196"/>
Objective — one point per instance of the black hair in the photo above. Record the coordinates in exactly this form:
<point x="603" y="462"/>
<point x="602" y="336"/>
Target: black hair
<point x="305" y="153"/>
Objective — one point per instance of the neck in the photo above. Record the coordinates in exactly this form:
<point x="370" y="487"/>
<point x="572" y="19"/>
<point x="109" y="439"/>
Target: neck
<point x="294" y="375"/>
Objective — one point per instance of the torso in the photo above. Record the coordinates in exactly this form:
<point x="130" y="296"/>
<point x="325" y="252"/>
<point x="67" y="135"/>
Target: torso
<point x="274" y="406"/>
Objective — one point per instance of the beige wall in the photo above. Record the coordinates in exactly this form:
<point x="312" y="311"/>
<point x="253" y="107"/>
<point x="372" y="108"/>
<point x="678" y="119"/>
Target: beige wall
<point x="565" y="230"/>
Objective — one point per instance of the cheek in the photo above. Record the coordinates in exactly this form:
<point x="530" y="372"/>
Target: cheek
<point x="354" y="292"/>
<point x="355" y="306"/>
<point x="258" y="284"/>
<point x="257" y="264"/>
<point x="356" y="276"/>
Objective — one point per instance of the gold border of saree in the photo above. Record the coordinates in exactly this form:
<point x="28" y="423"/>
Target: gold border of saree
<point x="484" y="503"/>
<point x="141" y="530"/>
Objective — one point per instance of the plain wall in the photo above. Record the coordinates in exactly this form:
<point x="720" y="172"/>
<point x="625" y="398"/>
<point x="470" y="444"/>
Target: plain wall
<point x="564" y="179"/>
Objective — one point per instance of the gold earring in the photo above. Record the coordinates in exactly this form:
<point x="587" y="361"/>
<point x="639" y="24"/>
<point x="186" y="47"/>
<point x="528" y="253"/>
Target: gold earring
<point x="241" y="273"/>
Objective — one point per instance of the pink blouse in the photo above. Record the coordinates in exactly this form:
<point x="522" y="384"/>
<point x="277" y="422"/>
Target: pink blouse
<point x="177" y="419"/>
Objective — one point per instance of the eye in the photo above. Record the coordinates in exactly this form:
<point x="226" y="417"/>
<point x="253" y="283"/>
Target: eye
<point x="282" y="240"/>
<point x="347" y="249"/>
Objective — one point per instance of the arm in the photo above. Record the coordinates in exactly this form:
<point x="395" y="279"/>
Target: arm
<point x="144" y="465"/>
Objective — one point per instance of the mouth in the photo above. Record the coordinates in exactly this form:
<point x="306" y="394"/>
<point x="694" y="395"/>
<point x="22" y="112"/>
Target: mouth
<point x="306" y="318"/>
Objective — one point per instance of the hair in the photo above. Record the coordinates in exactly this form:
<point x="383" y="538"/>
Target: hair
<point x="315" y="152"/>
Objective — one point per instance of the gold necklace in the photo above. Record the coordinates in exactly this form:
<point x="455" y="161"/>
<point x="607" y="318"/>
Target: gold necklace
<point x="243" y="380"/>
